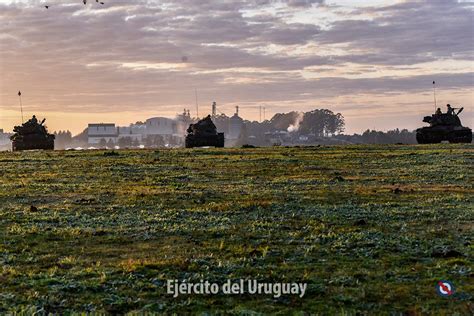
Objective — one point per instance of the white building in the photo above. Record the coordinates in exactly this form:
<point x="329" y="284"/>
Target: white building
<point x="235" y="126"/>
<point x="97" y="132"/>
<point x="136" y="132"/>
<point x="160" y="126"/>
<point x="5" y="142"/>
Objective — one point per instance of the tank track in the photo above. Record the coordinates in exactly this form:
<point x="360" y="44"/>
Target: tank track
<point x="192" y="141"/>
<point x="460" y="137"/>
<point x="424" y="138"/>
<point x="47" y="144"/>
<point x="463" y="136"/>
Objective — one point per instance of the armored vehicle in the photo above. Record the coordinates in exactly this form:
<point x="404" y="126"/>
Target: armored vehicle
<point x="204" y="133"/>
<point x="443" y="127"/>
<point x="32" y="135"/>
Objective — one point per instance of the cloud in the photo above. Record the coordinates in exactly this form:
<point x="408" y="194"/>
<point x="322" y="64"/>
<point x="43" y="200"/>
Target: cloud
<point x="128" y="56"/>
<point x="304" y="3"/>
<point x="407" y="33"/>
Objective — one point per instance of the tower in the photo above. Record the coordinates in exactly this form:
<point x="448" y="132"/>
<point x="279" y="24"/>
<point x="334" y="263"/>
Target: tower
<point x="214" y="108"/>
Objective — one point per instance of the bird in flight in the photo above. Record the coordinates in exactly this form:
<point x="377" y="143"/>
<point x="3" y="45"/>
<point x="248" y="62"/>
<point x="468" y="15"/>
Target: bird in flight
<point x="83" y="1"/>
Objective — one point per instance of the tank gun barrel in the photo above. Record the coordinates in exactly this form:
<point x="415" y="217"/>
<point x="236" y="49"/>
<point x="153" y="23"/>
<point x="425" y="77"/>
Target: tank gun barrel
<point x="428" y="119"/>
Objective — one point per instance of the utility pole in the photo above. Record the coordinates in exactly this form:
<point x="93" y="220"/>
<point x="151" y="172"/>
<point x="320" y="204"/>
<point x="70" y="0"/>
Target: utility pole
<point x="434" y="93"/>
<point x="260" y="114"/>
<point x="214" y="109"/>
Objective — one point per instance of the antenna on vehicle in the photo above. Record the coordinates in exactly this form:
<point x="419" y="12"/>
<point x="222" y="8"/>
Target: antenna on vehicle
<point x="21" y="107"/>
<point x="197" y="105"/>
<point x="434" y="93"/>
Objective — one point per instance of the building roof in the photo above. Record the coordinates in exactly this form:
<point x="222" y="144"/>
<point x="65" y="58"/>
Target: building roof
<point x="154" y="119"/>
<point x="102" y="125"/>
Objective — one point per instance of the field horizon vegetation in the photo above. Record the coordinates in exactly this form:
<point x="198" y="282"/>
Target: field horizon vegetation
<point x="370" y="228"/>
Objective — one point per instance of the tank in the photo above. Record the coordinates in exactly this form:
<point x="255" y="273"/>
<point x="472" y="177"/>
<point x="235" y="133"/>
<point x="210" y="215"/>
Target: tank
<point x="443" y="127"/>
<point x="204" y="133"/>
<point x="32" y="135"/>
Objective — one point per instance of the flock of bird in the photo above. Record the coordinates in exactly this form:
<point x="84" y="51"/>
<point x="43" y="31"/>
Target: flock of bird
<point x="83" y="1"/>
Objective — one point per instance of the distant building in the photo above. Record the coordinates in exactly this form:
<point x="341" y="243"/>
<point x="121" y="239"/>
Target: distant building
<point x="235" y="125"/>
<point x="136" y="132"/>
<point x="277" y="137"/>
<point x="182" y="122"/>
<point x="156" y="131"/>
<point x="98" y="132"/>
<point x="5" y="142"/>
<point x="161" y="126"/>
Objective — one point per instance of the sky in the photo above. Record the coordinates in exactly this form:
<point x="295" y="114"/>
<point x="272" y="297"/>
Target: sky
<point x="126" y="61"/>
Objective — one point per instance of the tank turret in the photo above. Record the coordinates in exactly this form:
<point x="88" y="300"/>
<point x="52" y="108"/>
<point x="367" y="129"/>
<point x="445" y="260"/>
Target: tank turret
<point x="444" y="127"/>
<point x="32" y="135"/>
<point x="204" y="133"/>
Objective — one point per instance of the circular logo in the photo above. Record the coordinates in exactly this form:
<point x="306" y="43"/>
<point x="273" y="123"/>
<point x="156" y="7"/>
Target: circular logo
<point x="445" y="288"/>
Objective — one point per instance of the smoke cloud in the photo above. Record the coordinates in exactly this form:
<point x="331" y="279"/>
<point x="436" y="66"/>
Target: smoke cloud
<point x="296" y="124"/>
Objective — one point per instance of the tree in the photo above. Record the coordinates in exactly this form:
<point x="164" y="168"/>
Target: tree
<point x="63" y="139"/>
<point x="125" y="142"/>
<point x="313" y="122"/>
<point x="135" y="143"/>
<point x="281" y="121"/>
<point x="110" y="143"/>
<point x="322" y="122"/>
<point x="159" y="141"/>
<point x="102" y="143"/>
<point x="148" y="142"/>
<point x="340" y="123"/>
<point x="222" y="123"/>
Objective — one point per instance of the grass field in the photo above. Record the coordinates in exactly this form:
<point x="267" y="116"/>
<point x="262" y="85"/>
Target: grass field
<point x="369" y="228"/>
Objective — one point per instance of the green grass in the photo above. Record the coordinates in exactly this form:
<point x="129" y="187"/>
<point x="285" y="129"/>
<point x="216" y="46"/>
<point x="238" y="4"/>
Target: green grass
<point x="369" y="228"/>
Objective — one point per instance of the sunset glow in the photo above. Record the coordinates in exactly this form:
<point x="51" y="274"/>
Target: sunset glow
<point x="125" y="61"/>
